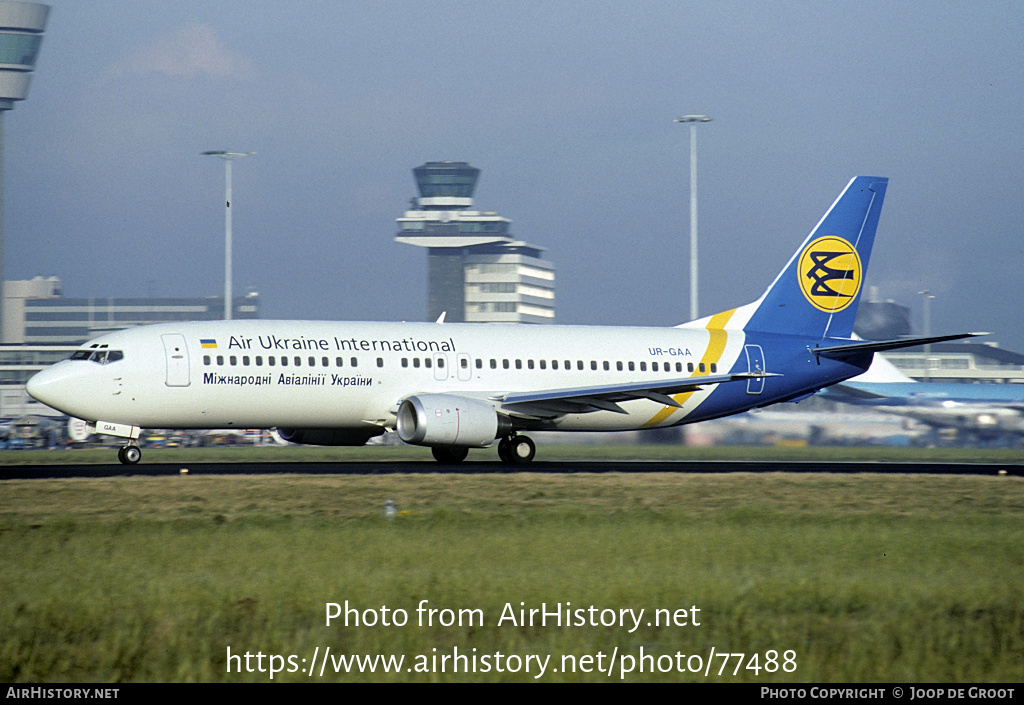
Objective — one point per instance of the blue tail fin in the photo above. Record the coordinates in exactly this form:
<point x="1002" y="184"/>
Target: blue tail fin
<point x="818" y="291"/>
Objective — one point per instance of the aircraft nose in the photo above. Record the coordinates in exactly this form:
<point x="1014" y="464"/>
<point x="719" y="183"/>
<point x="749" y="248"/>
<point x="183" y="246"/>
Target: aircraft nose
<point x="45" y="386"/>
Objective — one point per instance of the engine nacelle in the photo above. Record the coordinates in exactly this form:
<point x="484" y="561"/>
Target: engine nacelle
<point x="330" y="436"/>
<point x="449" y="420"/>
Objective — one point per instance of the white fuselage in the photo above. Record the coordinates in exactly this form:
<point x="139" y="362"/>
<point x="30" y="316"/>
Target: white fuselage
<point x="329" y="375"/>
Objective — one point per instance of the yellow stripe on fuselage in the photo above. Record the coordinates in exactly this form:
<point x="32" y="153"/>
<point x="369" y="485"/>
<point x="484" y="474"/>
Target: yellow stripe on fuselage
<point x="716" y="346"/>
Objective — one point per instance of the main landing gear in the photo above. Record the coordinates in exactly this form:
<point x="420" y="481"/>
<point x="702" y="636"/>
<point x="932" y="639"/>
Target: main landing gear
<point x="516" y="450"/>
<point x="449" y="455"/>
<point x="129" y="454"/>
<point x="513" y="450"/>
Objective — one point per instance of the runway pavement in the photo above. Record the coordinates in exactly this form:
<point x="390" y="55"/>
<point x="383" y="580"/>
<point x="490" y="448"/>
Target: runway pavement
<point x="25" y="472"/>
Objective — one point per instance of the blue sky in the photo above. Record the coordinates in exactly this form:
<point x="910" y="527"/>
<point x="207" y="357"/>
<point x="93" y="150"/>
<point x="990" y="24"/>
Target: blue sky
<point x="567" y="108"/>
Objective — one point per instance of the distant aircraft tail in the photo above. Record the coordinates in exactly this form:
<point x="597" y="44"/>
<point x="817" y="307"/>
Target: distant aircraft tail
<point x="818" y="291"/>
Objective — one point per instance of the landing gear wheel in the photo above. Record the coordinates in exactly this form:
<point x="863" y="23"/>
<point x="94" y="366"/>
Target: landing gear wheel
<point x="517" y="450"/>
<point x="449" y="455"/>
<point x="503" y="445"/>
<point x="129" y="455"/>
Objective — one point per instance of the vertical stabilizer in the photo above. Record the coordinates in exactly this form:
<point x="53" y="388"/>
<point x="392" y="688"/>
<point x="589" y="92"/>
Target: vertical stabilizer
<point x="818" y="292"/>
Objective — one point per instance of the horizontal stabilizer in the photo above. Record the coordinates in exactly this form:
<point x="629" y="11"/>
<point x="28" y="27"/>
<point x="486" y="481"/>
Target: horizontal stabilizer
<point x="838" y="352"/>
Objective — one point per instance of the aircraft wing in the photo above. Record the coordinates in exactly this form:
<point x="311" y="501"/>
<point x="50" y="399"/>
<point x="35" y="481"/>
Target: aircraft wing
<point x="581" y="400"/>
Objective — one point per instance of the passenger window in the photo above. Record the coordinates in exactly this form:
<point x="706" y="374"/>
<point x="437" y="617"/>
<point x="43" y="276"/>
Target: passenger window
<point x="206" y="359"/>
<point x="259" y="361"/>
<point x="380" y="362"/>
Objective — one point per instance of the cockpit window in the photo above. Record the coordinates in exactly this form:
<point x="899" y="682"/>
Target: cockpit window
<point x="106" y="356"/>
<point x="101" y="356"/>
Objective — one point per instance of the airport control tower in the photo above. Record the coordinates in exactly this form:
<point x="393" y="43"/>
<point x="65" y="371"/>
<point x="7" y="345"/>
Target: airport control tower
<point x="21" y="35"/>
<point x="476" y="270"/>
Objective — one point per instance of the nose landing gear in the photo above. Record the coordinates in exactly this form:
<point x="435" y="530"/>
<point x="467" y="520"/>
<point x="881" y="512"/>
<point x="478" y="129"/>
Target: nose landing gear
<point x="129" y="454"/>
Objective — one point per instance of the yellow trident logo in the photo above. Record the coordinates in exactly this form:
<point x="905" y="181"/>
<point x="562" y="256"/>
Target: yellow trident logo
<point x="830" y="273"/>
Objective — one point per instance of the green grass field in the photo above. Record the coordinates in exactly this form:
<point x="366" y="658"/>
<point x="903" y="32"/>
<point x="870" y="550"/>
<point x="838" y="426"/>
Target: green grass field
<point x="824" y="578"/>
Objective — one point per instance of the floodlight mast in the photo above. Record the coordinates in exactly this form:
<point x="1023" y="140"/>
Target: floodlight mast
<point x="693" y="120"/>
<point x="228" y="157"/>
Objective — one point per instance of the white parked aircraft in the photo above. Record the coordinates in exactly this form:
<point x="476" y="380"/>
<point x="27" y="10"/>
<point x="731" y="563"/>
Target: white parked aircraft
<point x="458" y="386"/>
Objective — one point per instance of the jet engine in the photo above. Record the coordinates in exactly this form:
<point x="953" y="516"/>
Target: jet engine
<point x="449" y="420"/>
<point x="330" y="436"/>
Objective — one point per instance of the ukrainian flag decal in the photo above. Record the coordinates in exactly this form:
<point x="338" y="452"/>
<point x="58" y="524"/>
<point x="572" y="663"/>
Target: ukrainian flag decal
<point x="208" y="342"/>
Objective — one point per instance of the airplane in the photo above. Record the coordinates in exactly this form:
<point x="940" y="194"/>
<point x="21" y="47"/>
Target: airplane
<point x="983" y="411"/>
<point x="456" y="386"/>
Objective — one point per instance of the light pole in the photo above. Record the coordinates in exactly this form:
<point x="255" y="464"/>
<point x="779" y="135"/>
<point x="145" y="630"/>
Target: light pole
<point x="693" y="120"/>
<point x="228" y="157"/>
<point x="927" y="296"/>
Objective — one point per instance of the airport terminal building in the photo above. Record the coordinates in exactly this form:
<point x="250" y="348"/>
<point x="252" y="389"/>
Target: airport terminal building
<point x="35" y="312"/>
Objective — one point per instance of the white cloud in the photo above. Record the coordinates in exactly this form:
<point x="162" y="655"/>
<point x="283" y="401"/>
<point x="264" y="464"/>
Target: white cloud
<point x="190" y="51"/>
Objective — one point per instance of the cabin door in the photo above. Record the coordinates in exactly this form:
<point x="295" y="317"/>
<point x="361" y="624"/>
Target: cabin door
<point x="755" y="364"/>
<point x="177" y="360"/>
